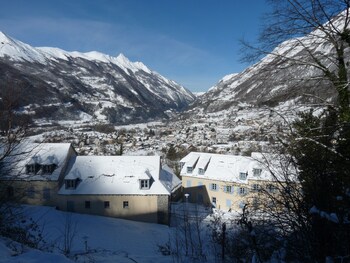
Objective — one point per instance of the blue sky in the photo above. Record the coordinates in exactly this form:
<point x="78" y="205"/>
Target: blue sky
<point x="194" y="42"/>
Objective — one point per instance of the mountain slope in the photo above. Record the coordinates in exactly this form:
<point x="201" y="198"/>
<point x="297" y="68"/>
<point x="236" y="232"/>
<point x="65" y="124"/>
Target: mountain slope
<point x="58" y="85"/>
<point x="288" y="75"/>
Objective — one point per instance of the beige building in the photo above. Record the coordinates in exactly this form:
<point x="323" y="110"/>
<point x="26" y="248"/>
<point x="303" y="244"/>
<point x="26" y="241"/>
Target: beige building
<point x="34" y="173"/>
<point x="130" y="187"/>
<point x="226" y="182"/>
<point x="119" y="186"/>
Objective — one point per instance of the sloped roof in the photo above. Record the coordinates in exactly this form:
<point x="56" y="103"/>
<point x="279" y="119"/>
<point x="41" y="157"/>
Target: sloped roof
<point x="14" y="165"/>
<point x="228" y="167"/>
<point x="114" y="175"/>
<point x="169" y="179"/>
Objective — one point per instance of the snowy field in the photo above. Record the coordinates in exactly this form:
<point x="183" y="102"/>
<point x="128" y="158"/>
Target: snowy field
<point x="103" y="239"/>
<point x="107" y="239"/>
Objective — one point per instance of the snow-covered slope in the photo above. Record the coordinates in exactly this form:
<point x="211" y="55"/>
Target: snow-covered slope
<point x="288" y="75"/>
<point x="89" y="85"/>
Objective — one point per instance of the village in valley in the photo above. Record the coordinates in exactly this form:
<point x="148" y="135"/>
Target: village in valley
<point x="103" y="159"/>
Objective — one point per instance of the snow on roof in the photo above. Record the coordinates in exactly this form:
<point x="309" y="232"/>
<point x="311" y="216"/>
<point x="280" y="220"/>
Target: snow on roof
<point x="192" y="161"/>
<point x="169" y="179"/>
<point x="36" y="153"/>
<point x="229" y="167"/>
<point x="203" y="161"/>
<point x="114" y="175"/>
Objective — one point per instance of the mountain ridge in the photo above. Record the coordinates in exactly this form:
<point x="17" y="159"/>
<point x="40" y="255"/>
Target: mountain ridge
<point x="106" y="88"/>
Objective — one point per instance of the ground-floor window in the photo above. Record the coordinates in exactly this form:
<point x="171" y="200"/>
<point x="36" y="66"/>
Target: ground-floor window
<point x="30" y="192"/>
<point x="213" y="200"/>
<point x="125" y="204"/>
<point x="228" y="203"/>
<point x="10" y="191"/>
<point x="46" y="193"/>
<point x="87" y="204"/>
<point x="70" y="206"/>
<point x="106" y="204"/>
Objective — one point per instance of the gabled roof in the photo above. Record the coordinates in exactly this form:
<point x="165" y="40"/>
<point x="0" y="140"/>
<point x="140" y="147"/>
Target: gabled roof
<point x="114" y="175"/>
<point x="228" y="167"/>
<point x="25" y="154"/>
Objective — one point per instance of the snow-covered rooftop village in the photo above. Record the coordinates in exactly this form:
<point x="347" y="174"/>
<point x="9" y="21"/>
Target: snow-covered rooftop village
<point x="176" y="150"/>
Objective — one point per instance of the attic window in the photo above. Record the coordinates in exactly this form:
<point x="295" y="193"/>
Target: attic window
<point x="32" y="168"/>
<point x="242" y="176"/>
<point x="189" y="169"/>
<point x="257" y="172"/>
<point x="71" y="183"/>
<point x="144" y="184"/>
<point x="48" y="168"/>
<point x="201" y="171"/>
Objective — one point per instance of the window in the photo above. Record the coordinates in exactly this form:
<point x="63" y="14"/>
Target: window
<point x="201" y="171"/>
<point x="242" y="190"/>
<point x="271" y="188"/>
<point x="241" y="204"/>
<point x="10" y="191"/>
<point x="189" y="169"/>
<point x="188" y="183"/>
<point x="125" y="204"/>
<point x="30" y="192"/>
<point x="200" y="184"/>
<point x="213" y="187"/>
<point x="87" y="204"/>
<point x="242" y="176"/>
<point x="71" y="184"/>
<point x="144" y="184"/>
<point x="256" y="187"/>
<point x="106" y="204"/>
<point x="46" y="193"/>
<point x="257" y="172"/>
<point x="228" y="203"/>
<point x="255" y="203"/>
<point x="228" y="189"/>
<point x="32" y="168"/>
<point x="48" y="169"/>
<point x="213" y="200"/>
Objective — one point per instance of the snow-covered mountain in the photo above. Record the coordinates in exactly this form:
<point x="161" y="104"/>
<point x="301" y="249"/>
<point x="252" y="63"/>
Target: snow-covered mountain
<point x="289" y="75"/>
<point x="55" y="84"/>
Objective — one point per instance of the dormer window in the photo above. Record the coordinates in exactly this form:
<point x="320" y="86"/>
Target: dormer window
<point x="48" y="168"/>
<point x="32" y="168"/>
<point x="257" y="172"/>
<point x="242" y="176"/>
<point x="189" y="169"/>
<point x="71" y="183"/>
<point x="144" y="184"/>
<point x="201" y="171"/>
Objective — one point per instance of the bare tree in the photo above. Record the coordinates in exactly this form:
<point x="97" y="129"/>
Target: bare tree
<point x="318" y="41"/>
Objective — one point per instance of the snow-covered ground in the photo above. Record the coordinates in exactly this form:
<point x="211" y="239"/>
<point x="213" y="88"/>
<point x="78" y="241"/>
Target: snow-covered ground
<point x="103" y="239"/>
<point x="107" y="239"/>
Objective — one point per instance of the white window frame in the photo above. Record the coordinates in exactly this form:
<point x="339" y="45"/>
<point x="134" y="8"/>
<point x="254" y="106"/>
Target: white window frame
<point x="213" y="187"/>
<point x="228" y="189"/>
<point x="257" y="172"/>
<point x="144" y="184"/>
<point x="242" y="190"/>
<point x="243" y="176"/>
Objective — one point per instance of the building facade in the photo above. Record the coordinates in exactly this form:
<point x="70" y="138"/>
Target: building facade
<point x="129" y="187"/>
<point x="226" y="182"/>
